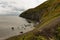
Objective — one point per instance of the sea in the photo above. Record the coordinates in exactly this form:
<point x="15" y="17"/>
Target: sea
<point x="17" y="23"/>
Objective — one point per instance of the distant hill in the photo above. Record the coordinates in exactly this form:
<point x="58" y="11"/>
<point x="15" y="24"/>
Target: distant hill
<point x="12" y="14"/>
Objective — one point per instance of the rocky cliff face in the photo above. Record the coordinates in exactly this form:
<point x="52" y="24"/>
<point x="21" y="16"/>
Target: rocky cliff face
<point x="48" y="8"/>
<point x="43" y="14"/>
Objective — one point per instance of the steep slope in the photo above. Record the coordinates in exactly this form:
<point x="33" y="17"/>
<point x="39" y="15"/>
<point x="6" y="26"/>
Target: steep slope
<point x="48" y="16"/>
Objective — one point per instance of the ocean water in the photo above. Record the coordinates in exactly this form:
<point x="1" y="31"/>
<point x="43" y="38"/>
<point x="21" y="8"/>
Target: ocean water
<point x="7" y="22"/>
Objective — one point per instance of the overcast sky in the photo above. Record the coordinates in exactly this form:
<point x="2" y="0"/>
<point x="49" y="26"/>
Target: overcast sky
<point x="16" y="6"/>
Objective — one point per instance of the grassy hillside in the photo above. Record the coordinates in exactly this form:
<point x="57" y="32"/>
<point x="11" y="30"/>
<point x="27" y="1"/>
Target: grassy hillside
<point x="48" y="16"/>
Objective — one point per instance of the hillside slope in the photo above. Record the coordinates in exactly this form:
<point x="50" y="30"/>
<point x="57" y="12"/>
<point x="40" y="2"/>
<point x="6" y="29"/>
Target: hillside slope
<point x="48" y="16"/>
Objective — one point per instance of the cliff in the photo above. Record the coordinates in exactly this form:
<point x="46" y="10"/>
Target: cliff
<point x="48" y="16"/>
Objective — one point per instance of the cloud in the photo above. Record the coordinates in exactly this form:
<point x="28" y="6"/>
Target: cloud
<point x="9" y="8"/>
<point x="17" y="6"/>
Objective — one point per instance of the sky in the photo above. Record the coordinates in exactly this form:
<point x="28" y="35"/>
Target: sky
<point x="17" y="6"/>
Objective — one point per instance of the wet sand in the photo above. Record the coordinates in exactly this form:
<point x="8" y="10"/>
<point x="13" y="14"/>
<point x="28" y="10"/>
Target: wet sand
<point x="7" y="22"/>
